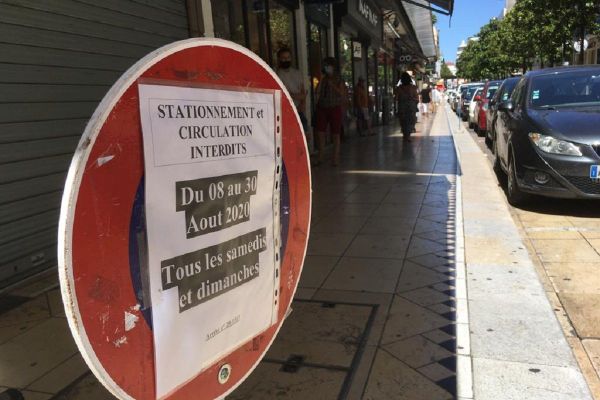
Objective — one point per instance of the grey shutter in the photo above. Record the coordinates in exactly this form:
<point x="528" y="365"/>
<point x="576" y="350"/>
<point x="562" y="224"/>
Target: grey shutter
<point x="57" y="60"/>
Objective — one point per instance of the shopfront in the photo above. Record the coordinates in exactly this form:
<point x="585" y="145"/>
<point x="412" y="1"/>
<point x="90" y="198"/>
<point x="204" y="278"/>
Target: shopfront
<point x="359" y="34"/>
<point x="264" y="26"/>
<point x="318" y="31"/>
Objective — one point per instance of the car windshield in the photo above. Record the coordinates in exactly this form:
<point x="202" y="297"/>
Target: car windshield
<point x="471" y="92"/>
<point x="491" y="91"/>
<point x="576" y="88"/>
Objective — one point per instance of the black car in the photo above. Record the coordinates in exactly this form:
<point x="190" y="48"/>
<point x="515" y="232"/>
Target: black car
<point x="502" y="94"/>
<point x="548" y="135"/>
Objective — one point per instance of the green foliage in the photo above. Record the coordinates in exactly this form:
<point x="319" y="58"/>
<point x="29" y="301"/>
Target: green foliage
<point x="533" y="30"/>
<point x="445" y="72"/>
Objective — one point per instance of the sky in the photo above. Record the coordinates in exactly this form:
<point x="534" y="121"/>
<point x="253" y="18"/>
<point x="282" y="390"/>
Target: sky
<point x="468" y="17"/>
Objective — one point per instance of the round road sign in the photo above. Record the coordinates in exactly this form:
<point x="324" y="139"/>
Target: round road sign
<point x="105" y="262"/>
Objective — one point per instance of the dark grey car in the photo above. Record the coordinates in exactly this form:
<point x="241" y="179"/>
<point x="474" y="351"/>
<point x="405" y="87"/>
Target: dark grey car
<point x="548" y="134"/>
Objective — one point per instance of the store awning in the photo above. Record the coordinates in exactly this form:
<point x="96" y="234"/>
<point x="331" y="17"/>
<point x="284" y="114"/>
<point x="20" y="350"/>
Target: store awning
<point x="446" y="5"/>
<point x="440" y="6"/>
<point x="420" y="18"/>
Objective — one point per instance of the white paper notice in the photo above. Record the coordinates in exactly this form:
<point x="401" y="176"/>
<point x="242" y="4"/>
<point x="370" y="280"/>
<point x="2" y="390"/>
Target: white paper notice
<point x="211" y="173"/>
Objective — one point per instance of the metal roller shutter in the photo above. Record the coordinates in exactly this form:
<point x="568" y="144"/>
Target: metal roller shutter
<point x="57" y="60"/>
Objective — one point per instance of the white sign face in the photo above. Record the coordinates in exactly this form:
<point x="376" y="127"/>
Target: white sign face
<point x="212" y="196"/>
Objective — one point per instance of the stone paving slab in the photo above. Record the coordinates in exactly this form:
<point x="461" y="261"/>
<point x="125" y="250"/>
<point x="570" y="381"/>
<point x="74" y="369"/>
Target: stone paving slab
<point x="519" y="350"/>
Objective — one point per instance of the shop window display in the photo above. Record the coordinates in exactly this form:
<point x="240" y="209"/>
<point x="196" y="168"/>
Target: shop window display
<point x="228" y="20"/>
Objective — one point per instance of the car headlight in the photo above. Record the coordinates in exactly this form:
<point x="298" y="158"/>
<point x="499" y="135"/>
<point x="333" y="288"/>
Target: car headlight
<point x="549" y="144"/>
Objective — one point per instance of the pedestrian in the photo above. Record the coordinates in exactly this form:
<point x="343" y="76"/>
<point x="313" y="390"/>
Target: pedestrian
<point x="407" y="97"/>
<point x="331" y="97"/>
<point x="361" y="107"/>
<point x="295" y="85"/>
<point x="436" y="96"/>
<point x="425" y="99"/>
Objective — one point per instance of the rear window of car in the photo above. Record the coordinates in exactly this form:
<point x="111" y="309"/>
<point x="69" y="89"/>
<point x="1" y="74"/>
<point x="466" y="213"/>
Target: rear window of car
<point x="507" y="89"/>
<point x="491" y="92"/>
<point x="573" y="88"/>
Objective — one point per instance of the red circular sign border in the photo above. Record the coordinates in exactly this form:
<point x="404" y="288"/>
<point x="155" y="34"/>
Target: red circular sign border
<point x="99" y="181"/>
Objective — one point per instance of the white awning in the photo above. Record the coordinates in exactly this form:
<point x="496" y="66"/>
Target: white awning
<point x="420" y="19"/>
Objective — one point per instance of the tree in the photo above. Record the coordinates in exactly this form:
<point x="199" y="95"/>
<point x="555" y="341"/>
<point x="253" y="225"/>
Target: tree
<point x="582" y="16"/>
<point x="445" y="72"/>
<point x="534" y="30"/>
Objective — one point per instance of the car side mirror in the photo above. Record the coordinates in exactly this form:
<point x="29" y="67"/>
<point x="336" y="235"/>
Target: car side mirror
<point x="506" y="106"/>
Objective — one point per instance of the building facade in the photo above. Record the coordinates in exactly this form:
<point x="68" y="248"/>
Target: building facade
<point x="60" y="58"/>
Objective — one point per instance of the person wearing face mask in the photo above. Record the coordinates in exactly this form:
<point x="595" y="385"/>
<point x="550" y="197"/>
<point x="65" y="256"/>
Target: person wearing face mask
<point x="294" y="83"/>
<point x="331" y="96"/>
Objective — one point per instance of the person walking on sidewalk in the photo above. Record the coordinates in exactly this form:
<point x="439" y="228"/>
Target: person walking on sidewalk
<point x="331" y="95"/>
<point x="408" y="101"/>
<point x="436" y="97"/>
<point x="294" y="83"/>
<point x="361" y="105"/>
<point x="425" y="99"/>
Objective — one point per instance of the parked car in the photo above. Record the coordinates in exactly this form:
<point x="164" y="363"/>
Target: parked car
<point x="502" y="94"/>
<point x="466" y="99"/>
<point x="450" y="95"/>
<point x="482" y="106"/>
<point x="461" y="92"/>
<point x="548" y="135"/>
<point x="473" y="107"/>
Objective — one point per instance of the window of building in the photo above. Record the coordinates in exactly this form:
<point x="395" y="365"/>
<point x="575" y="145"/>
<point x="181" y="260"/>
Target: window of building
<point x="282" y="30"/>
<point x="257" y="28"/>
<point x="345" y="49"/>
<point x="228" y="20"/>
<point x="372" y="76"/>
<point x="317" y="51"/>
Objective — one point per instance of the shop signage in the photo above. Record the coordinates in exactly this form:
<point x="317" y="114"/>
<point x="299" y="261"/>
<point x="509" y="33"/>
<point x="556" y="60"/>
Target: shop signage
<point x="176" y="266"/>
<point x="368" y="12"/>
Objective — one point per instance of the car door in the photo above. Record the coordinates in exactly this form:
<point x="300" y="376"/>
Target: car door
<point x="491" y="111"/>
<point x="515" y="117"/>
<point x="502" y="122"/>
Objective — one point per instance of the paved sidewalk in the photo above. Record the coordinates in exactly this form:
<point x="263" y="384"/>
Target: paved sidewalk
<point x="518" y="348"/>
<point x="381" y="311"/>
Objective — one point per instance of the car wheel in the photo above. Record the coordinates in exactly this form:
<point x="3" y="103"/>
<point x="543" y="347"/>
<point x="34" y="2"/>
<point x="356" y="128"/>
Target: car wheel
<point x="515" y="196"/>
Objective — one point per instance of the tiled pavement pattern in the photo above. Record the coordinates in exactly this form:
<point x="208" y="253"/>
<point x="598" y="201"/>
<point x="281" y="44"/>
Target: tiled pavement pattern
<point x="517" y="347"/>
<point x="374" y="314"/>
<point x="37" y="353"/>
<point x="563" y="237"/>
<point x="382" y="238"/>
